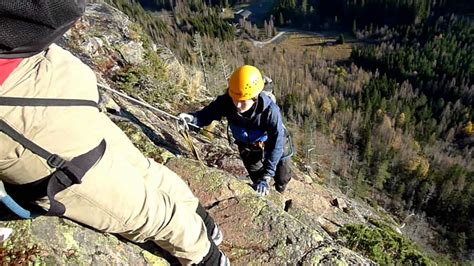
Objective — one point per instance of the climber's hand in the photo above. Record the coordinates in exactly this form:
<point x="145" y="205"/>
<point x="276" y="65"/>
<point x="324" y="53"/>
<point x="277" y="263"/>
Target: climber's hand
<point x="262" y="187"/>
<point x="185" y="119"/>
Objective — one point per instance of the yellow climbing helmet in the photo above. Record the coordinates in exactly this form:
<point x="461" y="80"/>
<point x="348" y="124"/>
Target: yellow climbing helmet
<point x="245" y="83"/>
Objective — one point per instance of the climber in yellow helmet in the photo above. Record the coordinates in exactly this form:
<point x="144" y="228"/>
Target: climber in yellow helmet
<point x="60" y="152"/>
<point x="256" y="124"/>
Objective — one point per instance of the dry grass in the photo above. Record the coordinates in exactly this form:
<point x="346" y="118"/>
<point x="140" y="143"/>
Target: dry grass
<point x="324" y="47"/>
<point x="228" y="13"/>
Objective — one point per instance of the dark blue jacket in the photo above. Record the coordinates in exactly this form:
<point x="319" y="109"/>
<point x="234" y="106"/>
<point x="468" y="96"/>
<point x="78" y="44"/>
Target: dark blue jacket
<point x="264" y="124"/>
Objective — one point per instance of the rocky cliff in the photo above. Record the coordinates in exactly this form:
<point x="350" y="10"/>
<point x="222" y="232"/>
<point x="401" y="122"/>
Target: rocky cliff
<point x="295" y="228"/>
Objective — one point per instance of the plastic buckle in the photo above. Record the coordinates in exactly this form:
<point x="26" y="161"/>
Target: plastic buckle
<point x="55" y="161"/>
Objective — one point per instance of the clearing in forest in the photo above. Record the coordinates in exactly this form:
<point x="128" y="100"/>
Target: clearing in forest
<point x="324" y="45"/>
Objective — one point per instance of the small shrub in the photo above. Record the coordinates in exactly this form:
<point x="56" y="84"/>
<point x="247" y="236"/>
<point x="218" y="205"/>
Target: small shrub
<point x="382" y="244"/>
<point x="341" y="39"/>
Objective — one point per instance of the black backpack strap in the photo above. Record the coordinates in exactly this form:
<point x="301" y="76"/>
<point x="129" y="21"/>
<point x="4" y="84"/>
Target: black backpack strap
<point x="67" y="174"/>
<point x="53" y="160"/>
<point x="21" y="101"/>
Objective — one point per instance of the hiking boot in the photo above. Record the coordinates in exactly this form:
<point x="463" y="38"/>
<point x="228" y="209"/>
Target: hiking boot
<point x="214" y="257"/>
<point x="217" y="235"/>
<point x="280" y="188"/>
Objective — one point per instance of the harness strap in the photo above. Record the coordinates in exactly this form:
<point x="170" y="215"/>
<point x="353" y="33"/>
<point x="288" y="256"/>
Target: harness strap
<point x="67" y="173"/>
<point x="71" y="173"/>
<point x="20" y="101"/>
<point x="288" y="149"/>
<point x="28" y="144"/>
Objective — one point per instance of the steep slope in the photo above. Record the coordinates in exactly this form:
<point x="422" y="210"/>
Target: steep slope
<point x="276" y="230"/>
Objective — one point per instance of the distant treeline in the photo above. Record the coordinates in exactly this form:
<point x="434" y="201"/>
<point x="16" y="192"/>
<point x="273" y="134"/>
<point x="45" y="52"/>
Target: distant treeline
<point x="189" y="17"/>
<point x="209" y="24"/>
<point x="437" y="58"/>
<point x="362" y="13"/>
<point x="194" y="5"/>
<point x="154" y="26"/>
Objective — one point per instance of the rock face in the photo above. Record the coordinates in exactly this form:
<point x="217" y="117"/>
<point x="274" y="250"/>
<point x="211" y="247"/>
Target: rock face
<point x="57" y="241"/>
<point x="278" y="229"/>
<point x="104" y="30"/>
<point x="256" y="229"/>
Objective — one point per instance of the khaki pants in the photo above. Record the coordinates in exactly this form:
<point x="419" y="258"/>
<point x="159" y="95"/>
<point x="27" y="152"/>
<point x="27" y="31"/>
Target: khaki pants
<point x="124" y="192"/>
<point x="141" y="201"/>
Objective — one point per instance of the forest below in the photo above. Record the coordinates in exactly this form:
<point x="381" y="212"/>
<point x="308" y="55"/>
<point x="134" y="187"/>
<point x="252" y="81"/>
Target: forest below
<point x="398" y="117"/>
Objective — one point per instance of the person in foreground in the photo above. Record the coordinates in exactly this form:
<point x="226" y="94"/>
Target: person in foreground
<point x="61" y="153"/>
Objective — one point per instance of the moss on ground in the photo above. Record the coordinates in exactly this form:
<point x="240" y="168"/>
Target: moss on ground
<point x="143" y="143"/>
<point x="19" y="249"/>
<point x="154" y="260"/>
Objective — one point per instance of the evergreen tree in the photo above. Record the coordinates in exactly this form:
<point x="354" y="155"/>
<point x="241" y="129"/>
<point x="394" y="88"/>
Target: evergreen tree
<point x="281" y="21"/>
